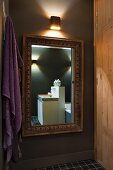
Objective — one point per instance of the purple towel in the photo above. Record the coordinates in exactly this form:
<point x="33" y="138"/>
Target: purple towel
<point x="11" y="97"/>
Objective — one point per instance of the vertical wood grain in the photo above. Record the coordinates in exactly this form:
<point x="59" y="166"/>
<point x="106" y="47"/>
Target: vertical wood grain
<point x="104" y="82"/>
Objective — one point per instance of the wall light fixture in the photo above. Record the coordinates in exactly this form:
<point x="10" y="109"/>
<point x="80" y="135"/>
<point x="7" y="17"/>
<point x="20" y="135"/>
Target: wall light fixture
<point x="55" y="23"/>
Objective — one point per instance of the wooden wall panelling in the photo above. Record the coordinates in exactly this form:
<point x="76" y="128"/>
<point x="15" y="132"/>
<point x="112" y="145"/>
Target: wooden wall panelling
<point x="98" y="81"/>
<point x="107" y="119"/>
<point x="104" y="82"/>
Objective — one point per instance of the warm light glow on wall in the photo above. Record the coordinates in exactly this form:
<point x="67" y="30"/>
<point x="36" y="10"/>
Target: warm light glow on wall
<point x="53" y="33"/>
<point x="53" y="27"/>
<point x="55" y="8"/>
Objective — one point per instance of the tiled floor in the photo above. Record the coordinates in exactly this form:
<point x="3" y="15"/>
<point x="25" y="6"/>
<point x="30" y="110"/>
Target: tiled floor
<point x="77" y="165"/>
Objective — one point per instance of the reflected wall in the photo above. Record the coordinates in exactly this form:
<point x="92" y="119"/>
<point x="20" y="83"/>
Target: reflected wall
<point x="49" y="64"/>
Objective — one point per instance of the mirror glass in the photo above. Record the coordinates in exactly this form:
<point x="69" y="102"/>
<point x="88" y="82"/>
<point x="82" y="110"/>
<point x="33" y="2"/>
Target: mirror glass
<point x="51" y="85"/>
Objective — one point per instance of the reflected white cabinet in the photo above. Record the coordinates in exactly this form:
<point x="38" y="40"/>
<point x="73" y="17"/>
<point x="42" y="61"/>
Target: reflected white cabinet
<point x="51" y="110"/>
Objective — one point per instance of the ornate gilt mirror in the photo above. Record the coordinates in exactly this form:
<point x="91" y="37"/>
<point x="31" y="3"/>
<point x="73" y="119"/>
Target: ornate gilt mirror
<point x="52" y="85"/>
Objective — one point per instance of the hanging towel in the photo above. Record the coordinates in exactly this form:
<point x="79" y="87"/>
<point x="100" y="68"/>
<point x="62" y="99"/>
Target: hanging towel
<point x="12" y="62"/>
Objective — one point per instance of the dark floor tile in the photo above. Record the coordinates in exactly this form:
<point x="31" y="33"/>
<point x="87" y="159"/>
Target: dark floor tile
<point x="91" y="166"/>
<point x="97" y="165"/>
<point x="77" y="165"/>
<point x="78" y="168"/>
<point x="49" y="168"/>
<point x="85" y="167"/>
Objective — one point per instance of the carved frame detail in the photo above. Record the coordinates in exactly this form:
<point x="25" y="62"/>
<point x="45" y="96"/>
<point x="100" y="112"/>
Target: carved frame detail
<point x="77" y="126"/>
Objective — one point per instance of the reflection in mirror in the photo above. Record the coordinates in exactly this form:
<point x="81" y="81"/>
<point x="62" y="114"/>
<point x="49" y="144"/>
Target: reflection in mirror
<point x="51" y="102"/>
<point x="52" y="85"/>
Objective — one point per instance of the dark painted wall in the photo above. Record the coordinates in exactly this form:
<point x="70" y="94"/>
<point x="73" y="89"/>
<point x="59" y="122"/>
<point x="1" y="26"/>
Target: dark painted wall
<point x="0" y="84"/>
<point x="3" y="12"/>
<point x="29" y="16"/>
<point x="52" y="64"/>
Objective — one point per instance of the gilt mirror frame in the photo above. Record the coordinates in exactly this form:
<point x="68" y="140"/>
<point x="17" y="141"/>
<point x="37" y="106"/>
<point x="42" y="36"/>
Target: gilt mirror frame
<point x="77" y="126"/>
